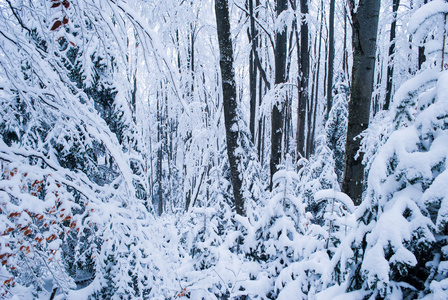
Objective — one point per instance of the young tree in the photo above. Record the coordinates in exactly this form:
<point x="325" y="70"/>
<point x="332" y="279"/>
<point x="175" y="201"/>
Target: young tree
<point x="399" y="246"/>
<point x="390" y="66"/>
<point x="253" y="69"/>
<point x="336" y="125"/>
<point x="278" y="109"/>
<point x="304" y="64"/>
<point x="330" y="57"/>
<point x="365" y="24"/>
<point x="231" y="117"/>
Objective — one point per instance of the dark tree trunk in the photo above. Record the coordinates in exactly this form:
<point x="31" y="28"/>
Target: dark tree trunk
<point x="229" y="99"/>
<point x="315" y="86"/>
<point x="330" y="57"/>
<point x="421" y="50"/>
<point x="365" y="26"/>
<point x="253" y="39"/>
<point x="134" y="98"/>
<point x="421" y="56"/>
<point x="390" y="67"/>
<point x="260" y="125"/>
<point x="304" y="63"/>
<point x="159" y="160"/>
<point x="280" y="77"/>
<point x="253" y="95"/>
<point x="345" y="51"/>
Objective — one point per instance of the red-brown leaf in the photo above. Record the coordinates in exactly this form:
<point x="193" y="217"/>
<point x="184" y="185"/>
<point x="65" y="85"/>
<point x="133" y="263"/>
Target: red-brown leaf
<point x="56" y="25"/>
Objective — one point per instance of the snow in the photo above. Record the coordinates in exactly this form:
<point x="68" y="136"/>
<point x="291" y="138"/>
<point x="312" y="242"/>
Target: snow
<point x="424" y="13"/>
<point x="337" y="292"/>
<point x="303" y="240"/>
<point x="338" y="196"/>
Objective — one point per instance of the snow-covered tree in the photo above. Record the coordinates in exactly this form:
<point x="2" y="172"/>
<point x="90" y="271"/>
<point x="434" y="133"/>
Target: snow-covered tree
<point x="336" y="125"/>
<point x="399" y="246"/>
<point x="72" y="180"/>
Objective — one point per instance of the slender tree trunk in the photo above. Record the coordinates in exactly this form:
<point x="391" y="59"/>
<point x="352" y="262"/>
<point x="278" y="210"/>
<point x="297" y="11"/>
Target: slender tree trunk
<point x="421" y="50"/>
<point x="330" y="57"/>
<point x="442" y="65"/>
<point x="159" y="159"/>
<point x="277" y="116"/>
<point x="260" y="124"/>
<point x="304" y="75"/>
<point x="390" y="67"/>
<point x="379" y="75"/>
<point x="365" y="26"/>
<point x="229" y="99"/>
<point x="253" y="95"/>
<point x="134" y="98"/>
<point x="287" y="128"/>
<point x="253" y="39"/>
<point x="345" y="51"/>
<point x="315" y="86"/>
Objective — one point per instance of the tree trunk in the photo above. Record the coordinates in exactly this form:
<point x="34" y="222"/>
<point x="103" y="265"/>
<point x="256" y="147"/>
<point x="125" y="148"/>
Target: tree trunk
<point x="421" y="49"/>
<point x="229" y="99"/>
<point x="330" y="58"/>
<point x="159" y="160"/>
<point x="315" y="84"/>
<point x="304" y="62"/>
<point x="365" y="26"/>
<point x="280" y="77"/>
<point x="345" y="51"/>
<point x="390" y="67"/>
<point x="253" y="39"/>
<point x="260" y="125"/>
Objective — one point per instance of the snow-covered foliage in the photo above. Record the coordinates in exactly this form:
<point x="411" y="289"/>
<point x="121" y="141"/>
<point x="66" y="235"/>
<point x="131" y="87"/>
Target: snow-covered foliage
<point x="397" y="250"/>
<point x="111" y="112"/>
<point x="400" y="234"/>
<point x="380" y="128"/>
<point x="336" y="125"/>
<point x="69" y="183"/>
<point x="317" y="174"/>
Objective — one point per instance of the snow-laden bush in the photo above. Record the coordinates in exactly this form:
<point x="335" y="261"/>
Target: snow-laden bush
<point x="315" y="174"/>
<point x="336" y="125"/>
<point x="398" y="249"/>
<point x="273" y="241"/>
<point x="400" y="243"/>
<point x="72" y="191"/>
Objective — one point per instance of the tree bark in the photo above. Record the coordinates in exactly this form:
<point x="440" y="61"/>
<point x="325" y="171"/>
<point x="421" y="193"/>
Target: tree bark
<point x="253" y="39"/>
<point x="315" y="85"/>
<point x="365" y="26"/>
<point x="330" y="58"/>
<point x="421" y="49"/>
<point x="345" y="51"/>
<point x="159" y="160"/>
<point x="390" y="67"/>
<point x="229" y="99"/>
<point x="277" y="115"/>
<point x="304" y="63"/>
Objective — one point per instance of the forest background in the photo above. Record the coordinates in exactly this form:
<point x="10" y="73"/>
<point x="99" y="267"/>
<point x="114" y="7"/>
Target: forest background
<point x="241" y="149"/>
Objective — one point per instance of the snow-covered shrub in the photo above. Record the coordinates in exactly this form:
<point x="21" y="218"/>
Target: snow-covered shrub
<point x="379" y="130"/>
<point x="398" y="248"/>
<point x="317" y="174"/>
<point x="271" y="237"/>
<point x="336" y="125"/>
<point x="70" y="214"/>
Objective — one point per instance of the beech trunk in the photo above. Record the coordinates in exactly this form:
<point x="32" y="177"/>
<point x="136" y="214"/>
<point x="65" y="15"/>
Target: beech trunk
<point x="365" y="26"/>
<point x="229" y="99"/>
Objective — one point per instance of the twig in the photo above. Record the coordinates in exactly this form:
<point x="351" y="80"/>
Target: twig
<point x="17" y="17"/>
